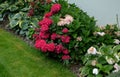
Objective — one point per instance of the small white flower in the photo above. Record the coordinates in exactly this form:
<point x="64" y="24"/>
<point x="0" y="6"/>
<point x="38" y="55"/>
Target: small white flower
<point x="117" y="33"/>
<point x="61" y="23"/>
<point x="101" y="33"/>
<point x="31" y="26"/>
<point x="79" y="39"/>
<point x="93" y="63"/>
<point x="110" y="60"/>
<point x="95" y="71"/>
<point x="69" y="18"/>
<point x="95" y="33"/>
<point x="117" y="67"/>
<point x="92" y="50"/>
<point x="116" y="41"/>
<point x="111" y="26"/>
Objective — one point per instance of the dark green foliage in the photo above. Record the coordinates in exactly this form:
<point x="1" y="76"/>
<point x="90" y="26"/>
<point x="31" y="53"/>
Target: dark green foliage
<point x="116" y="74"/>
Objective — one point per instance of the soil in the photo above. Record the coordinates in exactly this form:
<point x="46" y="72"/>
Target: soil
<point x="4" y="25"/>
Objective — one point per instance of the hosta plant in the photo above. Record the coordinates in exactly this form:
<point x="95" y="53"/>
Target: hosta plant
<point x="22" y="24"/>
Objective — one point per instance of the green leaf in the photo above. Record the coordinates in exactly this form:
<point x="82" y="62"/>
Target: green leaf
<point x="1" y="18"/>
<point x="99" y="75"/>
<point x="13" y="8"/>
<point x="107" y="68"/>
<point x="74" y="35"/>
<point x="17" y="16"/>
<point x="85" y="71"/>
<point x="91" y="75"/>
<point x="4" y="5"/>
<point x="23" y="25"/>
<point x="116" y="74"/>
<point x="25" y="9"/>
<point x="13" y="23"/>
<point x="34" y="22"/>
<point x="116" y="48"/>
<point x="102" y="60"/>
<point x="22" y="32"/>
<point x="99" y="65"/>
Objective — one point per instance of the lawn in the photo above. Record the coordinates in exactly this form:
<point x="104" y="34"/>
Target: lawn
<point x="17" y="59"/>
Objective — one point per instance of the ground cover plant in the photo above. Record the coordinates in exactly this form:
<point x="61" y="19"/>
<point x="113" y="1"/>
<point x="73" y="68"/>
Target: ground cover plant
<point x="68" y="34"/>
<point x="17" y="59"/>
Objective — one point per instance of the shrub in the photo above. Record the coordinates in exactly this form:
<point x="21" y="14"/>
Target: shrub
<point x="71" y="31"/>
<point x="67" y="26"/>
<point x="101" y="62"/>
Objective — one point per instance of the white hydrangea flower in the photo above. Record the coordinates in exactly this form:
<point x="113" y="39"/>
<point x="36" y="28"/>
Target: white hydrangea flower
<point x="94" y="62"/>
<point x="61" y="23"/>
<point x="67" y="20"/>
<point x="117" y="33"/>
<point x="117" y="67"/>
<point x="92" y="50"/>
<point x="79" y="38"/>
<point x="101" y="33"/>
<point x="116" y="41"/>
<point x="109" y="60"/>
<point x="95" y="71"/>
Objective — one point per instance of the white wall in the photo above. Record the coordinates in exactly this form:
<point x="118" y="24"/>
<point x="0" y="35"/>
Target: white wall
<point x="103" y="10"/>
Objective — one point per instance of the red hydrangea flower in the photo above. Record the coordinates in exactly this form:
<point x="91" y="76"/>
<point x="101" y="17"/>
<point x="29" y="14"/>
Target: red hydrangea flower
<point x="45" y="21"/>
<point x="65" y="57"/>
<point x="31" y="12"/>
<point x="44" y="35"/>
<point x="65" y="39"/>
<point x="51" y="47"/>
<point x="59" y="48"/>
<point x="44" y="47"/>
<point x="44" y="28"/>
<point x="65" y="30"/>
<point x="53" y="36"/>
<point x="39" y="43"/>
<point x="55" y="8"/>
<point x="47" y="15"/>
<point x="65" y="51"/>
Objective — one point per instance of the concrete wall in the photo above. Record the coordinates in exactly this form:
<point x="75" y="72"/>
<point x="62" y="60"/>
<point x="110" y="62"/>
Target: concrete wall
<point x="103" y="10"/>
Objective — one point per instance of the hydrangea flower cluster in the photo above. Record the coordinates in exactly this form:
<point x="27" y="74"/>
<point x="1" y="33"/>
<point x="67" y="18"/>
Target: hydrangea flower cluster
<point x="67" y="20"/>
<point x="45" y="34"/>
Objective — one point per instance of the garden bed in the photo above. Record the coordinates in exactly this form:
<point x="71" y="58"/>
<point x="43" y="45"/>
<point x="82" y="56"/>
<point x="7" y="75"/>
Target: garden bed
<point x="66" y="33"/>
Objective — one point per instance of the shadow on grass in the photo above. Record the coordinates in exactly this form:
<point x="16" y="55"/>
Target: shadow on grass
<point x="3" y="71"/>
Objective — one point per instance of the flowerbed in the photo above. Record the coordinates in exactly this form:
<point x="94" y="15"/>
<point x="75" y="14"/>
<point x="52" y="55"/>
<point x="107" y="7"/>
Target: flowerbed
<point x="63" y="31"/>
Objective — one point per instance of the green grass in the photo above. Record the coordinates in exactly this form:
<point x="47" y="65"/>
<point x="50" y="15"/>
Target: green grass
<point x="17" y="59"/>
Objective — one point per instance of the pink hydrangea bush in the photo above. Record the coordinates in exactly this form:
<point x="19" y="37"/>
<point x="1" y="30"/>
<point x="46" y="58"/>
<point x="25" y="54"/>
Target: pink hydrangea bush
<point x="45" y="34"/>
